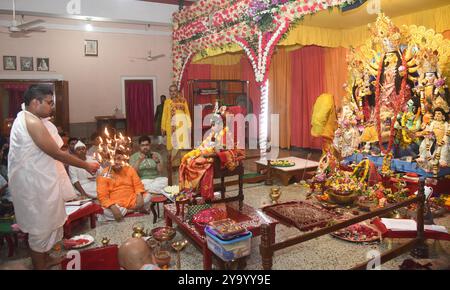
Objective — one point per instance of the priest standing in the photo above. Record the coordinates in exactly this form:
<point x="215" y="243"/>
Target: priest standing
<point x="38" y="182"/>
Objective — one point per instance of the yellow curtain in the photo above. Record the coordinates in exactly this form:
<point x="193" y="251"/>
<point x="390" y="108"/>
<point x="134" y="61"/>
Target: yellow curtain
<point x="213" y="51"/>
<point x="335" y="72"/>
<point x="436" y="19"/>
<point x="229" y="58"/>
<point x="280" y="93"/>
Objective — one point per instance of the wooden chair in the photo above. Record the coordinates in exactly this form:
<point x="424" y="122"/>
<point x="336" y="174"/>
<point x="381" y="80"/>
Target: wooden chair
<point x="222" y="173"/>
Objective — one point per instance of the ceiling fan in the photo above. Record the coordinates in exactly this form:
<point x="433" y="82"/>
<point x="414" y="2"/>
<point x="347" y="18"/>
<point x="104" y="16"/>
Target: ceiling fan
<point x="149" y="57"/>
<point x="22" y="29"/>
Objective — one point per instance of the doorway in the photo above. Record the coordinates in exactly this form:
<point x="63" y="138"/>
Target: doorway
<point x="11" y="98"/>
<point x="139" y="105"/>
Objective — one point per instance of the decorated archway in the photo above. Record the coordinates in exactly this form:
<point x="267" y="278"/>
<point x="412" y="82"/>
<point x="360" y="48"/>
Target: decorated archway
<point x="255" y="25"/>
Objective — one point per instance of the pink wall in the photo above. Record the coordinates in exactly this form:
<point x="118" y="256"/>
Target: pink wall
<point x="94" y="82"/>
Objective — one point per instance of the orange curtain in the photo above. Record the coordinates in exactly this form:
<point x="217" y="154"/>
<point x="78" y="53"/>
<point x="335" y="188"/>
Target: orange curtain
<point x="226" y="72"/>
<point x="335" y="68"/>
<point x="280" y="93"/>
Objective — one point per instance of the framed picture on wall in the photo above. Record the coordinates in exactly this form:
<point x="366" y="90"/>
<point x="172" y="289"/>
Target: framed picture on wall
<point x="42" y="64"/>
<point x="91" y="48"/>
<point x="9" y="62"/>
<point x="26" y="63"/>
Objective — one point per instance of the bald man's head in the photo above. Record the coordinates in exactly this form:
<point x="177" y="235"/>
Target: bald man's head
<point x="134" y="253"/>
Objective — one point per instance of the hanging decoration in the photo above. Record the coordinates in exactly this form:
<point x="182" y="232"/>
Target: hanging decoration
<point x="255" y="25"/>
<point x="217" y="23"/>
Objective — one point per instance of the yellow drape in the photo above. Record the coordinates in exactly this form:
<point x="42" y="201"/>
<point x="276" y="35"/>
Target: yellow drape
<point x="229" y="58"/>
<point x="280" y="93"/>
<point x="335" y="72"/>
<point x="436" y="19"/>
<point x="211" y="51"/>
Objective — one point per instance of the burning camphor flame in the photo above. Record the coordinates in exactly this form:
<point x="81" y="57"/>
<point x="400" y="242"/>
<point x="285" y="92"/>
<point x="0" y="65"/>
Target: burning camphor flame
<point x="108" y="147"/>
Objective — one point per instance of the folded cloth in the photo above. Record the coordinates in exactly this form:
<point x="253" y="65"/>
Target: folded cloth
<point x="69" y="244"/>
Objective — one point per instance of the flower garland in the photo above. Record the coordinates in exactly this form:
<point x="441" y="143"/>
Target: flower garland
<point x="200" y="8"/>
<point x="399" y="100"/>
<point x="215" y="23"/>
<point x="260" y="61"/>
<point x="186" y="61"/>
<point x="366" y="169"/>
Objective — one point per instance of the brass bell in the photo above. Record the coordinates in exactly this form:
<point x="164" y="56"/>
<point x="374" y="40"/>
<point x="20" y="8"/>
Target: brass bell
<point x="138" y="231"/>
<point x="105" y="241"/>
<point x="136" y="235"/>
<point x="275" y="194"/>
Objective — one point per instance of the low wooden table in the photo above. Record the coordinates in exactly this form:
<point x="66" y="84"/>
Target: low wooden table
<point x="248" y="218"/>
<point x="286" y="173"/>
<point x="90" y="211"/>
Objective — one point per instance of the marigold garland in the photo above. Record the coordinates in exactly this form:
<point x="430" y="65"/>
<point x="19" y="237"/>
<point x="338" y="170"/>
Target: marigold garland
<point x="365" y="162"/>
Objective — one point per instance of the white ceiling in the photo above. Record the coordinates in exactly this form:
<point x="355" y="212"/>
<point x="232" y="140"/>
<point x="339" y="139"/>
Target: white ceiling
<point x="123" y="11"/>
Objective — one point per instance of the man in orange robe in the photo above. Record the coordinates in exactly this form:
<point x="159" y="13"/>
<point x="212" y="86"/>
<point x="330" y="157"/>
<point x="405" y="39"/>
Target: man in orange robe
<point x="122" y="192"/>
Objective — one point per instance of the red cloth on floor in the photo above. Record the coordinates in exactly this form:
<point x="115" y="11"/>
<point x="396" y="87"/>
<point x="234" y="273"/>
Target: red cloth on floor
<point x="434" y="235"/>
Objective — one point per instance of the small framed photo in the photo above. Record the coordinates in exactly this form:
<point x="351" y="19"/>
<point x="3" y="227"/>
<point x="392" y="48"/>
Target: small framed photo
<point x="91" y="48"/>
<point x="26" y="63"/>
<point x="42" y="64"/>
<point x="9" y="62"/>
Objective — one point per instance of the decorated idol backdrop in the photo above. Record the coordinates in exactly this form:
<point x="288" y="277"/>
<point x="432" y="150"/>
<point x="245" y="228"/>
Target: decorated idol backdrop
<point x="397" y="104"/>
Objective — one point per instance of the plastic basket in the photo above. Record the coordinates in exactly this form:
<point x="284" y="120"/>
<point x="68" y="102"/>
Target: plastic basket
<point x="231" y="249"/>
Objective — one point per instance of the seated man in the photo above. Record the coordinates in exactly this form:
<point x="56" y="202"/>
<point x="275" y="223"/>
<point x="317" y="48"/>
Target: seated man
<point x="95" y="140"/>
<point x="149" y="166"/>
<point x="84" y="182"/>
<point x="134" y="254"/>
<point x="122" y="191"/>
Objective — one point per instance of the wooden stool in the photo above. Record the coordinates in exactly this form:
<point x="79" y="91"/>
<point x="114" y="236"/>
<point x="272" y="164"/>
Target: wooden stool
<point x="89" y="211"/>
<point x="156" y="200"/>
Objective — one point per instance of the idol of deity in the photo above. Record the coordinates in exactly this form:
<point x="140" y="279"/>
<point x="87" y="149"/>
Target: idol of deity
<point x="346" y="137"/>
<point x="407" y="125"/>
<point x="393" y="78"/>
<point x="434" y="147"/>
<point x="431" y="86"/>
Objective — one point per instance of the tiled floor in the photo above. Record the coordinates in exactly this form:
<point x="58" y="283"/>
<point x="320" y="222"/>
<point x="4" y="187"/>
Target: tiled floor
<point x="325" y="252"/>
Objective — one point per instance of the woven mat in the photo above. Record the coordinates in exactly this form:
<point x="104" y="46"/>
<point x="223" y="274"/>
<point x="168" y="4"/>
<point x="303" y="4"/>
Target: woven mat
<point x="303" y="215"/>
